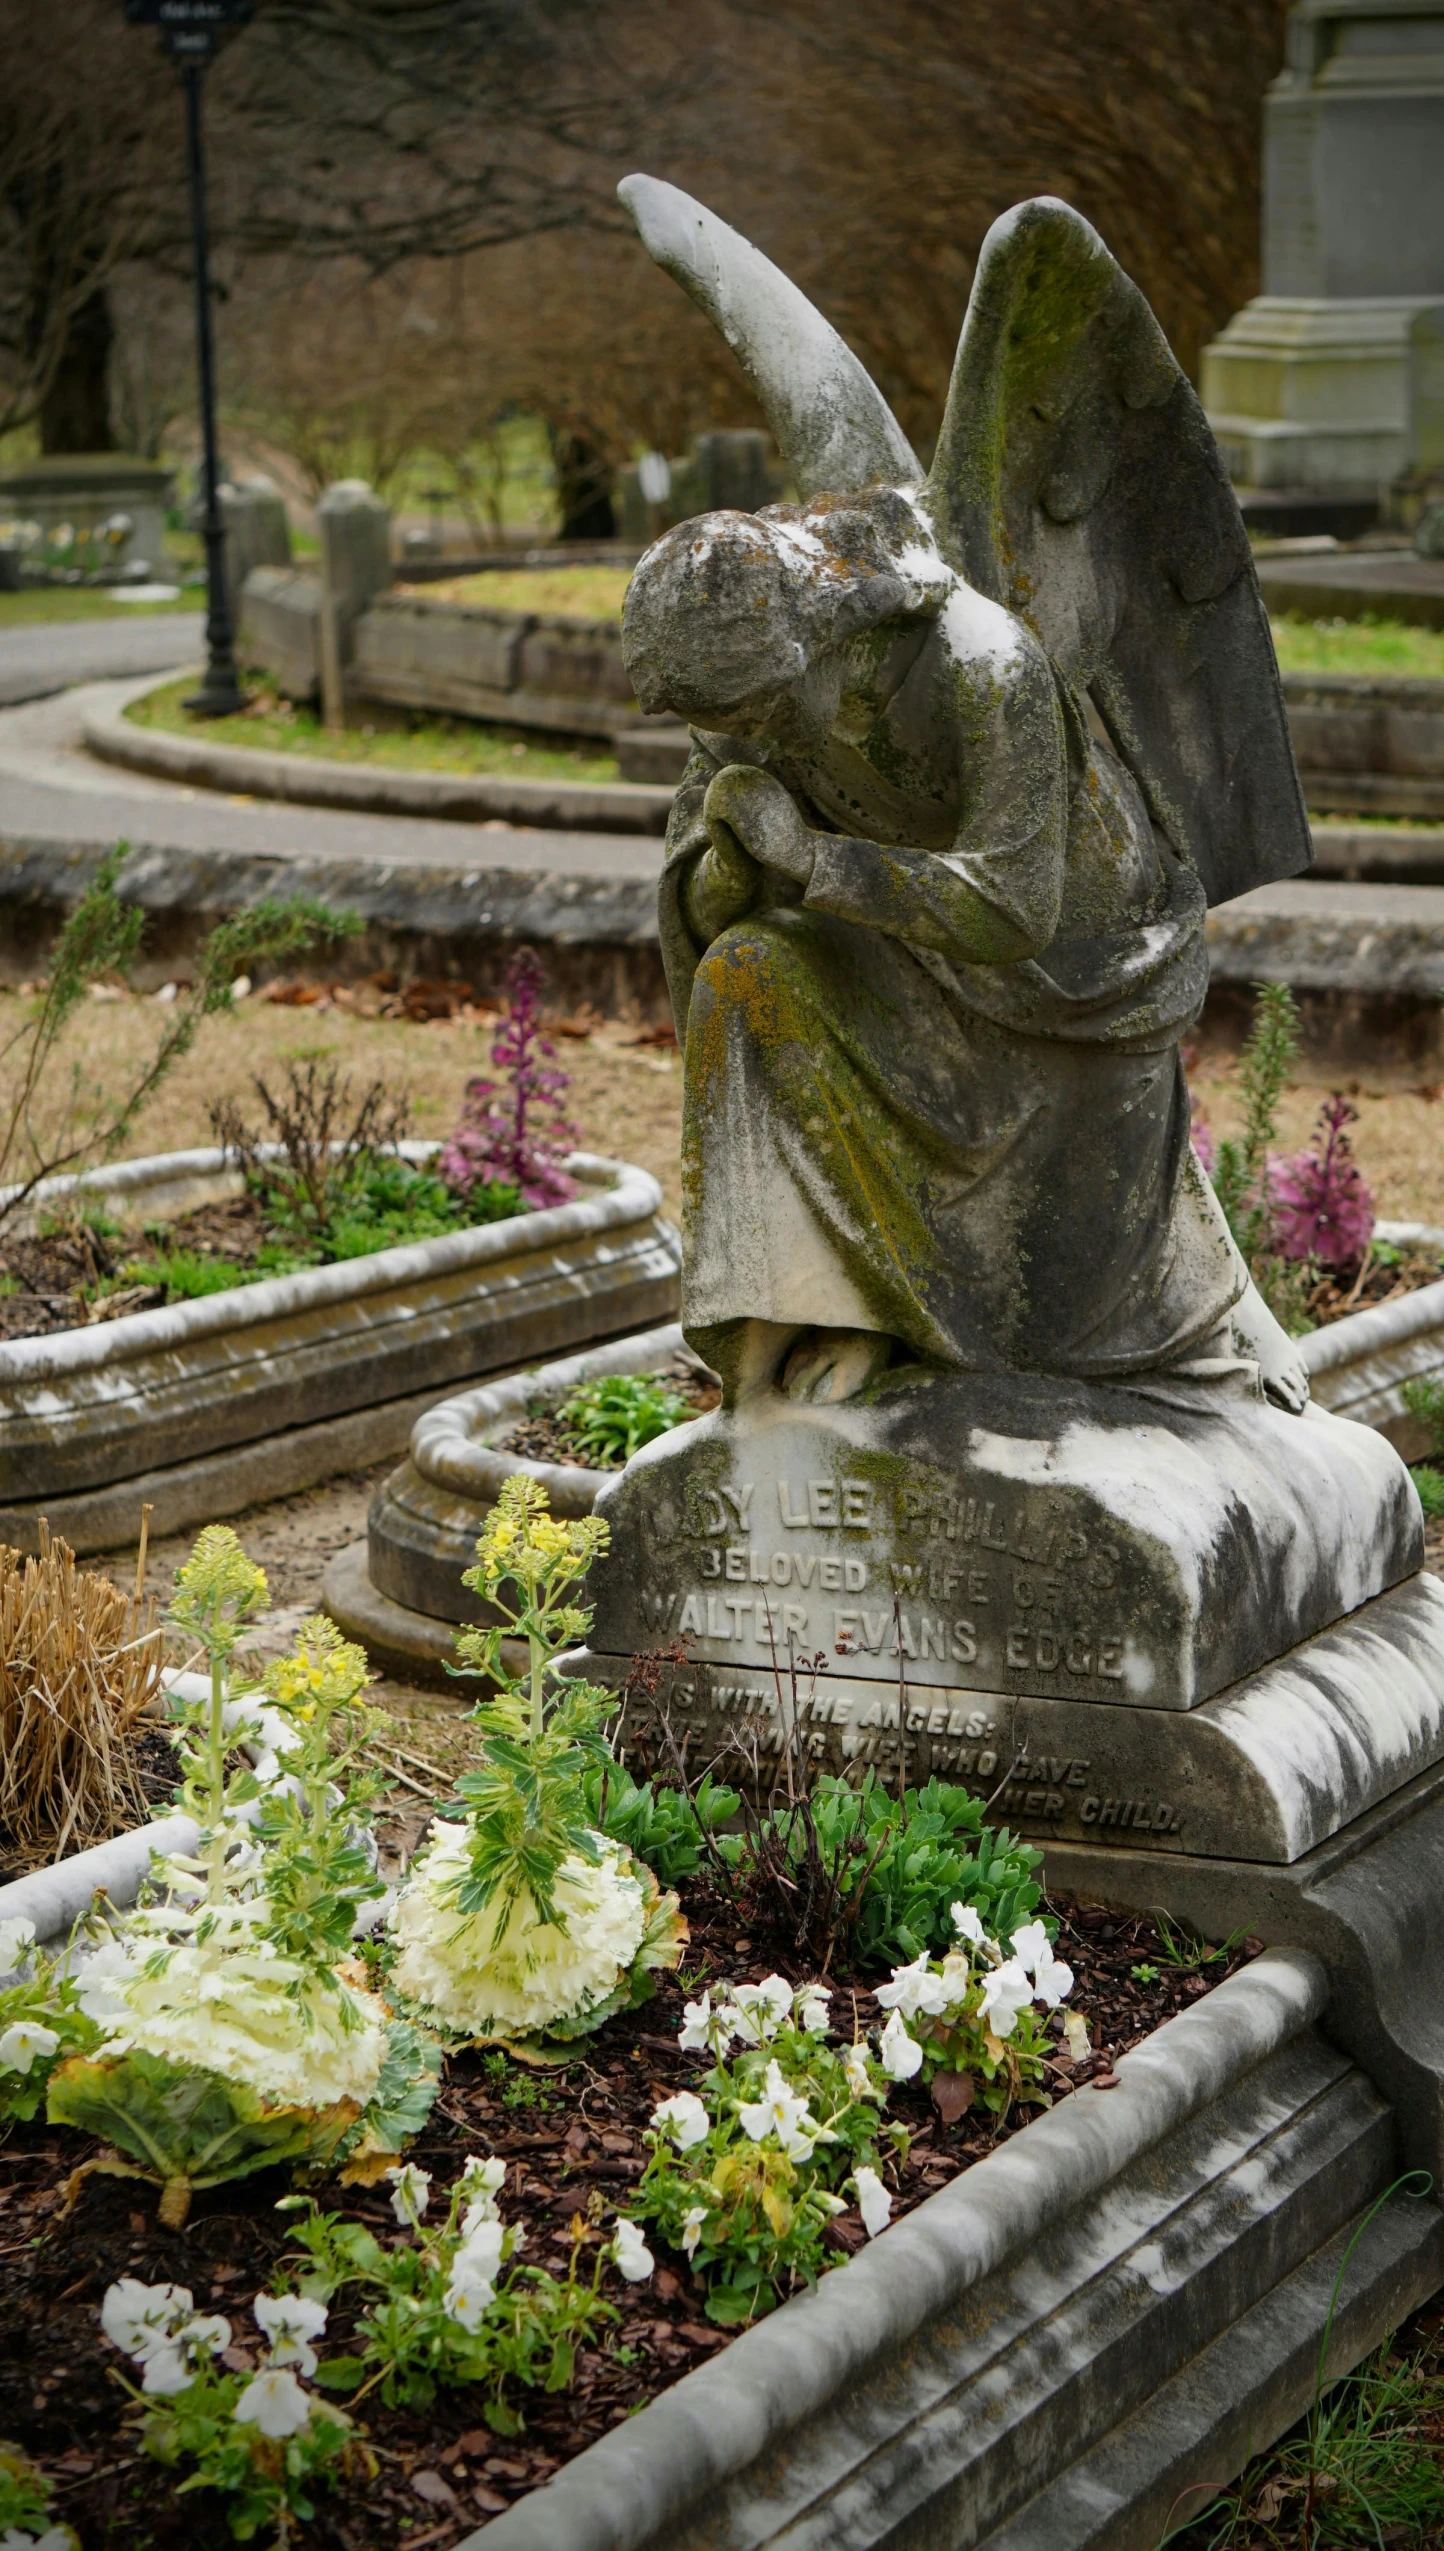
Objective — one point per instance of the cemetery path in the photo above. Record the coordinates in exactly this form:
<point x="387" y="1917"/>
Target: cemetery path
<point x="52" y="789"/>
<point x="49" y="655"/>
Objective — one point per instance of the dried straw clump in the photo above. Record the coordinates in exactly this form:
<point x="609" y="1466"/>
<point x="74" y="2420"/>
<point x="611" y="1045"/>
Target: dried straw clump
<point x="78" y="1665"/>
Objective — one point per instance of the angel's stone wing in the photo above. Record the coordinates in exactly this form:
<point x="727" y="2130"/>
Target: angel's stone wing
<point x="835" y="429"/>
<point x="1077" y="482"/>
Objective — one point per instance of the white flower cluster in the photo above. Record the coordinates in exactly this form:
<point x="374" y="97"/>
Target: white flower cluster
<point x="225" y="1999"/>
<point x="751" y="2015"/>
<point x="158" y="2327"/>
<point x="518" y="1976"/>
<point x="1009" y="1986"/>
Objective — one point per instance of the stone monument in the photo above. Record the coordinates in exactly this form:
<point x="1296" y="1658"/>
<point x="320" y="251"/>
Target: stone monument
<point x="1014" y="1478"/>
<point x="1332" y="380"/>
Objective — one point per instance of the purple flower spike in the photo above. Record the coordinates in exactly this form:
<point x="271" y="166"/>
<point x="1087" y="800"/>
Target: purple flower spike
<point x="512" y="1132"/>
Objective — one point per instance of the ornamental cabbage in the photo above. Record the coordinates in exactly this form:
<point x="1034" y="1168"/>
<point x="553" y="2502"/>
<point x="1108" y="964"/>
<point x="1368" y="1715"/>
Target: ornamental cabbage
<point x="504" y="1972"/>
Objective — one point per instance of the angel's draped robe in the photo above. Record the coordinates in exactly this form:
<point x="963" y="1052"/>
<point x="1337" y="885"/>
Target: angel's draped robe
<point x="988" y="1161"/>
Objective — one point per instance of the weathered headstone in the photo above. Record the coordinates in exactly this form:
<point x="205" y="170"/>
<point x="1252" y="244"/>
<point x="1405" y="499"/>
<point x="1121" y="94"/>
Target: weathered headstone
<point x="1331" y="379"/>
<point x="257" y="531"/>
<point x="354" y="528"/>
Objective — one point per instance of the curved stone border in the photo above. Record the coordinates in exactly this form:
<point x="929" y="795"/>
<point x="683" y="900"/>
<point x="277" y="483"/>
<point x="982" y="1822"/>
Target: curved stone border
<point x="878" y="2407"/>
<point x="1359" y="1366"/>
<point x="447" y="1451"/>
<point x="580" y="806"/>
<point x="175" y="1390"/>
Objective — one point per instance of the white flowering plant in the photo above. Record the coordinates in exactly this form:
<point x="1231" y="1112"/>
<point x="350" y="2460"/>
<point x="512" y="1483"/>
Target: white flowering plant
<point x="521" y="1920"/>
<point x="746" y="2172"/>
<point x="41" y="2022"/>
<point x="260" y="2439"/>
<point x="234" y="2034"/>
<point x="452" y="2302"/>
<point x="973" y="2024"/>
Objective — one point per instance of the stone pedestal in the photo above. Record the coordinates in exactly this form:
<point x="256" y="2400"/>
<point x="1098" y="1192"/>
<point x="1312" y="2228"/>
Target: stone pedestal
<point x="1331" y="379"/>
<point x="354" y="528"/>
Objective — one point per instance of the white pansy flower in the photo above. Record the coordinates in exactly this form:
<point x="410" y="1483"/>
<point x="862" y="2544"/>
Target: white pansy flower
<point x="968" y="1925"/>
<point x="873" y="2201"/>
<point x="167" y="2370"/>
<point x="704" y="2030"/>
<point x="137" y="2317"/>
<point x="898" y="2052"/>
<point x="812" y="2007"/>
<point x="290" y="2322"/>
<point x="57" y="2538"/>
<point x="684" y="2118"/>
<point x="410" y="2193"/>
<point x="1029" y="1943"/>
<point x="467" y="2296"/>
<point x="482" y="2249"/>
<point x="630" y="2254"/>
<point x="1075" y="2030"/>
<point x="781" y="2113"/>
<point x="914" y="1988"/>
<point x="274" y="2402"/>
<point x="504" y="1971"/>
<point x="17" y="1938"/>
<point x="1052" y="1979"/>
<point x="854" y="2064"/>
<point x="482" y="2177"/>
<point x="22" y="2042"/>
<point x="208" y="2330"/>
<point x="692" y="2222"/>
<point x="1006" y="1995"/>
<point x="762" y="2008"/>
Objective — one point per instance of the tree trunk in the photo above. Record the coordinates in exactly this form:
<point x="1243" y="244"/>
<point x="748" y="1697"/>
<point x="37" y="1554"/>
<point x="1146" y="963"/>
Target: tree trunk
<point x="75" y="411"/>
<point x="583" y="488"/>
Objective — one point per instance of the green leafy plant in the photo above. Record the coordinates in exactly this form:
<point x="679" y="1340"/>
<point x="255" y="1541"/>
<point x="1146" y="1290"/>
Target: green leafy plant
<point x="1430" y="1485"/>
<point x="1423" y="1397"/>
<point x="523" y="1918"/>
<point x="745" y="2172"/>
<point x="667" y="1828"/>
<point x="610" y="1419"/>
<point x="1240" y="1175"/>
<point x="261" y="2441"/>
<point x="1188" y="1950"/>
<point x="41" y="2023"/>
<point x="46" y="1130"/>
<point x="25" y="2495"/>
<point x="452" y="2305"/>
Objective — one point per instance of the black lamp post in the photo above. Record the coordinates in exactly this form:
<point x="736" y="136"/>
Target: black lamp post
<point x="191" y="31"/>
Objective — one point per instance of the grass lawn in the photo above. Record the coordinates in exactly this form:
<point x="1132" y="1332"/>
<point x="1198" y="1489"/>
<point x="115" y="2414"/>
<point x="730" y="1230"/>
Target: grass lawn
<point x="393" y="738"/>
<point x="582" y="593"/>
<point x="87" y="602"/>
<point x="1357" y="646"/>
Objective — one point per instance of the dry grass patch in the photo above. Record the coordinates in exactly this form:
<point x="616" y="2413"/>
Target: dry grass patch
<point x="80" y="1661"/>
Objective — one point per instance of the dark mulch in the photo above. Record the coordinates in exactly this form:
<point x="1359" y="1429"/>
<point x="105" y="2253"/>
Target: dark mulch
<point x="542" y="1436"/>
<point x="1334" y="1298"/>
<point x="571" y="2137"/>
<point x="58" y="1276"/>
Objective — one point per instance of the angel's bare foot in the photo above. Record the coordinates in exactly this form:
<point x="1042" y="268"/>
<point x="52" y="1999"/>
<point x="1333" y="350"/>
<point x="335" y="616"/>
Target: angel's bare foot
<point x="1284" y="1374"/>
<point x="834" y="1364"/>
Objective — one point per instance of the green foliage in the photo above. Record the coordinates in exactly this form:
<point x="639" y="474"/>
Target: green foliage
<point x="905" y="1863"/>
<point x="518" y="2329"/>
<point x="41" y="2007"/>
<point x="317" y="1868"/>
<point x="404" y="2095"/>
<point x="1423" y="1397"/>
<point x="610" y="1419"/>
<point x="1240" y="1174"/>
<point x="186" y="1276"/>
<point x="25" y="2495"/>
<point x="526" y="1807"/>
<point x="1430" y="1484"/>
<point x="663" y="1827"/>
<point x="750" y="2202"/>
<point x="187" y="2128"/>
<point x="42" y="1132"/>
<point x="265" y="2481"/>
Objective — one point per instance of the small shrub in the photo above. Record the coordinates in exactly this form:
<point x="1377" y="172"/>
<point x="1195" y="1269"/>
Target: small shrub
<point x="610" y="1419"/>
<point x="666" y="1828"/>
<point x="1430" y="1484"/>
<point x="329" y="1141"/>
<point x="1423" y="1397"/>
<point x="1241" y="1170"/>
<point x="512" y="1130"/>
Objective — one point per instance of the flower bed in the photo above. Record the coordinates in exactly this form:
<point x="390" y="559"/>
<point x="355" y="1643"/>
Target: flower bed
<point x="573" y="2140"/>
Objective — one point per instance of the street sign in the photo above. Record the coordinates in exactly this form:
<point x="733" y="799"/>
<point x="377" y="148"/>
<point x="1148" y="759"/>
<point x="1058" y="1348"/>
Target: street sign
<point x="190" y="29"/>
